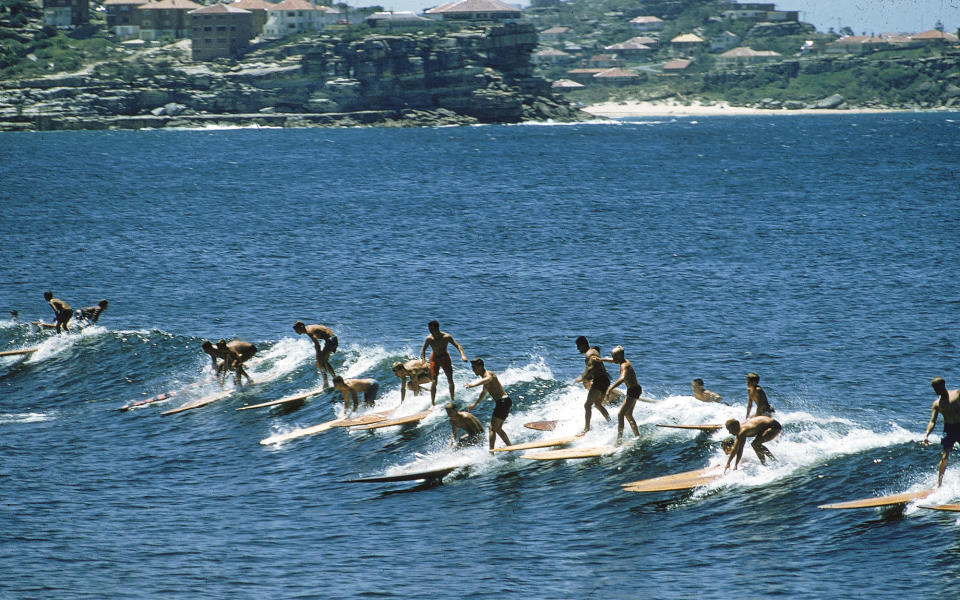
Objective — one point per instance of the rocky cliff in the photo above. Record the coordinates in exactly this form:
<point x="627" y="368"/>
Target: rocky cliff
<point x="477" y="75"/>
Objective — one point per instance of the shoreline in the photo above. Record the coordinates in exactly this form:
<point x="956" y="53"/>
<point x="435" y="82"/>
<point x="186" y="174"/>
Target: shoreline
<point x="634" y="108"/>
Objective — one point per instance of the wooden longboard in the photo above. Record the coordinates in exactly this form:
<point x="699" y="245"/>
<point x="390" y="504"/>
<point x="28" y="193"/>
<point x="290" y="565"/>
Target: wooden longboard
<point x="945" y="507"/>
<point x="678" y="481"/>
<point x="570" y="453"/>
<point x="285" y="400"/>
<point x="879" y="501"/>
<point x="320" y="428"/>
<point x="537" y="444"/>
<point x="18" y="352"/>
<point x="433" y="475"/>
<point x="707" y="427"/>
<point x="414" y="418"/>
<point x="541" y="425"/>
<point x="43" y="325"/>
<point x="206" y="400"/>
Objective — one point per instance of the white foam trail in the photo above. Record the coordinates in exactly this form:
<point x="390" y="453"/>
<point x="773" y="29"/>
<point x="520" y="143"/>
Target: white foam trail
<point x="280" y="359"/>
<point x="23" y="417"/>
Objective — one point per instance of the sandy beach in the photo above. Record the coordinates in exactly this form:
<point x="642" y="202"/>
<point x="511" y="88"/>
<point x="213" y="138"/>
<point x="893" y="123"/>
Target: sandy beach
<point x="677" y="109"/>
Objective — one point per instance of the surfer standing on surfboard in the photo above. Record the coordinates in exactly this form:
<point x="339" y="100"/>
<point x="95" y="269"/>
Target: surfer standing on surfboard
<point x="473" y="435"/>
<point x="439" y="357"/>
<point x="61" y="310"/>
<point x="947" y="404"/>
<point x="491" y="385"/>
<point x="756" y="395"/>
<point x="599" y="381"/>
<point x="316" y="333"/>
<point x="629" y="377"/>
<point x="762" y="428"/>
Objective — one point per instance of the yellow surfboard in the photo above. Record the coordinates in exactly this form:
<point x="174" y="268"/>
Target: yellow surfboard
<point x="678" y="481"/>
<point x="414" y="418"/>
<point x="944" y="507"/>
<point x="879" y="501"/>
<point x="537" y="444"/>
<point x="286" y="399"/>
<point x="570" y="453"/>
<point x="320" y="428"/>
<point x="18" y="352"/>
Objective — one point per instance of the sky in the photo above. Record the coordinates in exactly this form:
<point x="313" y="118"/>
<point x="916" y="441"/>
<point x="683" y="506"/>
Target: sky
<point x="863" y="16"/>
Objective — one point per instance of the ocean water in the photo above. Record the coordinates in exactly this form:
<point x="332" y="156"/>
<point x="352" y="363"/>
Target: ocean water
<point x="818" y="251"/>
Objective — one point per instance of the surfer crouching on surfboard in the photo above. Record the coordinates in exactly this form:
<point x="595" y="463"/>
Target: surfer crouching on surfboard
<point x="352" y="388"/>
<point x="91" y="314"/>
<point x="234" y="354"/>
<point x="491" y="385"/>
<point x="473" y="435"/>
<point x="418" y="371"/>
<point x="61" y="311"/>
<point x="763" y="428"/>
<point x="947" y="404"/>
<point x="316" y="333"/>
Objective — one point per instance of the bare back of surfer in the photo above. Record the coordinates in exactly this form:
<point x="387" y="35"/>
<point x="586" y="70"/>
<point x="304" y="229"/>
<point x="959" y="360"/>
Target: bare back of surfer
<point x="353" y="388"/>
<point x="761" y="428"/>
<point x="628" y="377"/>
<point x="61" y="310"/>
<point x="948" y="405"/>
<point x="599" y="381"/>
<point x="234" y="354"/>
<point x="473" y="430"/>
<point x="438" y="341"/>
<point x="218" y="363"/>
<point x="756" y="395"/>
<point x="491" y="385"/>
<point x="702" y="394"/>
<point x="316" y="333"/>
<point x="416" y="370"/>
<point x="91" y="314"/>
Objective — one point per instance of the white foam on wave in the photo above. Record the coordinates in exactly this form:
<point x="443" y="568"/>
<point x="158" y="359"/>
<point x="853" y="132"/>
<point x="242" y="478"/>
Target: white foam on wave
<point x="23" y="417"/>
<point x="278" y="360"/>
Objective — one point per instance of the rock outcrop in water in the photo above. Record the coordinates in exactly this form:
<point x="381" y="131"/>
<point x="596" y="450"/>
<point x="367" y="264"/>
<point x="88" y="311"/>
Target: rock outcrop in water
<point x="478" y="75"/>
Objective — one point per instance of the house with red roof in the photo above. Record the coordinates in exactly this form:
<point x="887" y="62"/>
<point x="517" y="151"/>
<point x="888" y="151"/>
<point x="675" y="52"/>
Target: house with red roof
<point x="646" y="23"/>
<point x="296" y="16"/>
<point x="219" y="31"/>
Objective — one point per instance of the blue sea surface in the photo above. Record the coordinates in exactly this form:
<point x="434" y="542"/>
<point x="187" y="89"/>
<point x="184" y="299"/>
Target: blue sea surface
<point x="818" y="251"/>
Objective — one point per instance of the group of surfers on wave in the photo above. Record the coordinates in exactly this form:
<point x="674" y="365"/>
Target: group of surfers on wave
<point x="762" y="427"/>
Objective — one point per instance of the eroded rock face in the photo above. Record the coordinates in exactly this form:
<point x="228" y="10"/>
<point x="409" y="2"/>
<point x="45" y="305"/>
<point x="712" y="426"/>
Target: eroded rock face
<point x="414" y="79"/>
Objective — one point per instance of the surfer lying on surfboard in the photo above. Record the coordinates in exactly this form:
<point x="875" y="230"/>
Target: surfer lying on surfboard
<point x="762" y="429"/>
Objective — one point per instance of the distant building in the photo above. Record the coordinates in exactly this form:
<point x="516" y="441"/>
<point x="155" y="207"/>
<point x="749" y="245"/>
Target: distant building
<point x="646" y="23"/>
<point x="566" y="84"/>
<point x="616" y="77"/>
<point x="258" y="9"/>
<point x="687" y="43"/>
<point x="556" y="34"/>
<point x="723" y="41"/>
<point x="934" y="36"/>
<point x="165" y="18"/>
<point x="629" y="49"/>
<point x="754" y="11"/>
<point x="397" y="20"/>
<point x="123" y="18"/>
<point x="551" y="56"/>
<point x="676" y="67"/>
<point x="475" y="10"/>
<point x="66" y="13"/>
<point x="604" y="61"/>
<point x="746" y="56"/>
<point x="297" y="16"/>
<point x="583" y="75"/>
<point x="219" y="31"/>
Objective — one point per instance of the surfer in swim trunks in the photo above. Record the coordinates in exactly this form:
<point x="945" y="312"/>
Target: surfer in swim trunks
<point x="352" y="388"/>
<point x="473" y="430"/>
<point x="704" y="395"/>
<point x="599" y="381"/>
<point x="491" y="385"/>
<point x="418" y="372"/>
<point x="219" y="365"/>
<point x="761" y="428"/>
<point x="756" y="395"/>
<point x="91" y="314"/>
<point x="61" y="310"/>
<point x="440" y="357"/>
<point x="628" y="377"/>
<point x="234" y="354"/>
<point x="947" y="404"/>
<point x="316" y="333"/>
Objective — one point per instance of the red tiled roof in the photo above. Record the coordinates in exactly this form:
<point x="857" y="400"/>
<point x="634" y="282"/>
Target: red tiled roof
<point x="252" y="4"/>
<point x="120" y="2"/>
<point x="615" y="74"/>
<point x="219" y="9"/>
<point x="469" y="6"/>
<point x="677" y="65"/>
<point x="169" y="5"/>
